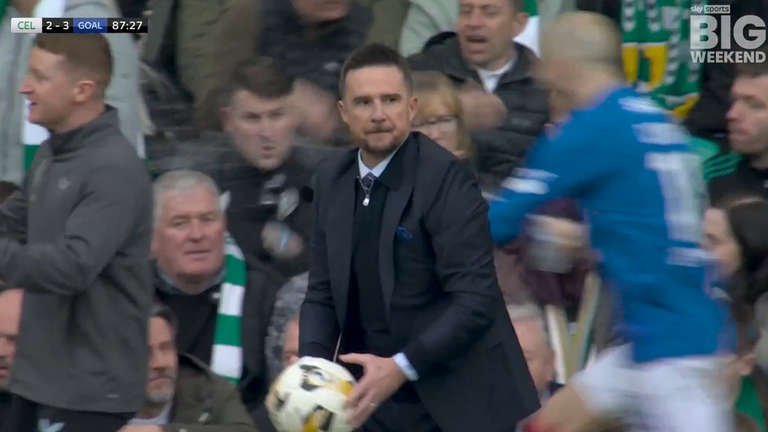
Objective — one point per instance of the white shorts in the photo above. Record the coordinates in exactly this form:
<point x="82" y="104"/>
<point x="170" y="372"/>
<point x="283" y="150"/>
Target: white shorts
<point x="675" y="395"/>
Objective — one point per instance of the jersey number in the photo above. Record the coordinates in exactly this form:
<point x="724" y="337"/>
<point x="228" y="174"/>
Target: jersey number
<point x="682" y="185"/>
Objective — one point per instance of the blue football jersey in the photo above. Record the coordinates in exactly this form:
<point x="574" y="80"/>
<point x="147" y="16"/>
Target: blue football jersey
<point x="635" y="175"/>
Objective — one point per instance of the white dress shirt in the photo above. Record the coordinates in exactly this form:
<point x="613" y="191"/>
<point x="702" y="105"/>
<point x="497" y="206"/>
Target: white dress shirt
<point x="378" y="170"/>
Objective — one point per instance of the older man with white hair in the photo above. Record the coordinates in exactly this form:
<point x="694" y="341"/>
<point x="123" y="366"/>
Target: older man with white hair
<point x="223" y="308"/>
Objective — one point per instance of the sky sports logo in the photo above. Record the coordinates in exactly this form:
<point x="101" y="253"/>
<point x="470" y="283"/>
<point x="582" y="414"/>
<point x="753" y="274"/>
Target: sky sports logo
<point x="715" y="38"/>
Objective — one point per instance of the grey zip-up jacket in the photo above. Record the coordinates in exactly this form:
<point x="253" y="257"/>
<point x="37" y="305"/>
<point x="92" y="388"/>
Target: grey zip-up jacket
<point x="76" y="239"/>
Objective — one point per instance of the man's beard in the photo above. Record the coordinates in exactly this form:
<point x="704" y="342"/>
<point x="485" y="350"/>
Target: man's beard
<point x="159" y="398"/>
<point x="393" y="144"/>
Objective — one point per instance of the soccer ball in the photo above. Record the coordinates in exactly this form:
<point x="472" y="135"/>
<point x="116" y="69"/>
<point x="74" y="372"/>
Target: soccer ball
<point x="310" y="396"/>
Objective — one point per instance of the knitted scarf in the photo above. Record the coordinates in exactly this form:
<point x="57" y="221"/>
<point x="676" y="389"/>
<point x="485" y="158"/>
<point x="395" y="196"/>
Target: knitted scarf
<point x="656" y="51"/>
<point x="227" y="355"/>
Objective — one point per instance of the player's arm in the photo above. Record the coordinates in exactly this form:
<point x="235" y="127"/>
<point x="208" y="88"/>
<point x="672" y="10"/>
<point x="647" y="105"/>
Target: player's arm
<point x="318" y="327"/>
<point x="566" y="165"/>
<point x="100" y="223"/>
<point x="457" y="221"/>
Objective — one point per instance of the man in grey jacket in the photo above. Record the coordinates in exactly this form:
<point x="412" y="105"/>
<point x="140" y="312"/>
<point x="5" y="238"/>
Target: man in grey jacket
<point x="18" y="147"/>
<point x="76" y="239"/>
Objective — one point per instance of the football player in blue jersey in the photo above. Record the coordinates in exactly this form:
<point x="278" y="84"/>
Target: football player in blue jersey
<point x="632" y="170"/>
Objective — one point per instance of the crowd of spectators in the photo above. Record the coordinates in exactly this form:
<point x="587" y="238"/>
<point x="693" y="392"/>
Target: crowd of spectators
<point x="233" y="103"/>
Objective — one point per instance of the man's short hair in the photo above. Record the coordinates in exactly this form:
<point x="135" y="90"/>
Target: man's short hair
<point x="517" y="5"/>
<point x="263" y="78"/>
<point x="89" y="53"/>
<point x="755" y="69"/>
<point x="375" y="54"/>
<point x="181" y="180"/>
<point x="163" y="312"/>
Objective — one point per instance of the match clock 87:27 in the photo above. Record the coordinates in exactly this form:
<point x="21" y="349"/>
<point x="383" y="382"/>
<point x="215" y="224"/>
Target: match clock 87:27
<point x="125" y="25"/>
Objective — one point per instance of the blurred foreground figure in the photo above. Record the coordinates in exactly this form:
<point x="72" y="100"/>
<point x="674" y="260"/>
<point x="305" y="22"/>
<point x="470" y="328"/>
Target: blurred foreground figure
<point x="644" y="200"/>
<point x="76" y="239"/>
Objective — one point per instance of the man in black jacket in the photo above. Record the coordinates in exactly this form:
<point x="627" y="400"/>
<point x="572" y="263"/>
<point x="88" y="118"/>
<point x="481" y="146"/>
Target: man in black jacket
<point x="76" y="240"/>
<point x="402" y="271"/>
<point x="269" y="212"/>
<point x="493" y="73"/>
<point x="747" y="135"/>
<point x="194" y="279"/>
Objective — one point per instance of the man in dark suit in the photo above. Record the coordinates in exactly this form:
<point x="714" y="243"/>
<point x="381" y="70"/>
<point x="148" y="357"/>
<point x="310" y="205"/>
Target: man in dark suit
<point x="402" y="278"/>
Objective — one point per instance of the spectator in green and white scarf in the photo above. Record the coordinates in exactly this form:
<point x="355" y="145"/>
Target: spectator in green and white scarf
<point x="223" y="308"/>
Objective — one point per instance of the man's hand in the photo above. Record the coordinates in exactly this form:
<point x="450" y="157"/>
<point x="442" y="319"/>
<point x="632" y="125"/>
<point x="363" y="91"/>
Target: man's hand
<point x="381" y="378"/>
<point x="137" y="428"/>
<point x="482" y="110"/>
<point x="317" y="110"/>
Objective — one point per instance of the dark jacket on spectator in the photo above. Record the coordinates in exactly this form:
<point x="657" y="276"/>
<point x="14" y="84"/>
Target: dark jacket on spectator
<point x="206" y="402"/>
<point x="744" y="180"/>
<point x="197" y="322"/>
<point x="81" y="228"/>
<point x="272" y="28"/>
<point x="5" y="405"/>
<point x="248" y="213"/>
<point x="499" y="151"/>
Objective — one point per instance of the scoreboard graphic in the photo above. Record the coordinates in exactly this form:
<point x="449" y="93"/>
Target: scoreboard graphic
<point x="79" y="25"/>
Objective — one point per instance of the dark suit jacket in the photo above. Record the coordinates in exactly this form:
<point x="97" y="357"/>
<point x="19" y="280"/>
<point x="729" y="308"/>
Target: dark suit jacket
<point x="442" y="299"/>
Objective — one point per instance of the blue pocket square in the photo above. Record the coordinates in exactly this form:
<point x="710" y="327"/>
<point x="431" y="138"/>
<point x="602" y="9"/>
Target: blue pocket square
<point x="403" y="234"/>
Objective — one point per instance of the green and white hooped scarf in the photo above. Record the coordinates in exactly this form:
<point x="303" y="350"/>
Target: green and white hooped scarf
<point x="227" y="354"/>
<point x="656" y="51"/>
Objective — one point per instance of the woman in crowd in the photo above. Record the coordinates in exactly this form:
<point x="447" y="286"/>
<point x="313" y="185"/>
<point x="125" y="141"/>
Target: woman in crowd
<point x="736" y="236"/>
<point x="440" y="116"/>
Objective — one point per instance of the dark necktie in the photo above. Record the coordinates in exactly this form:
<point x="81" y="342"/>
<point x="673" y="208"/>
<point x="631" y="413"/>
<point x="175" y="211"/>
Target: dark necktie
<point x="367" y="183"/>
